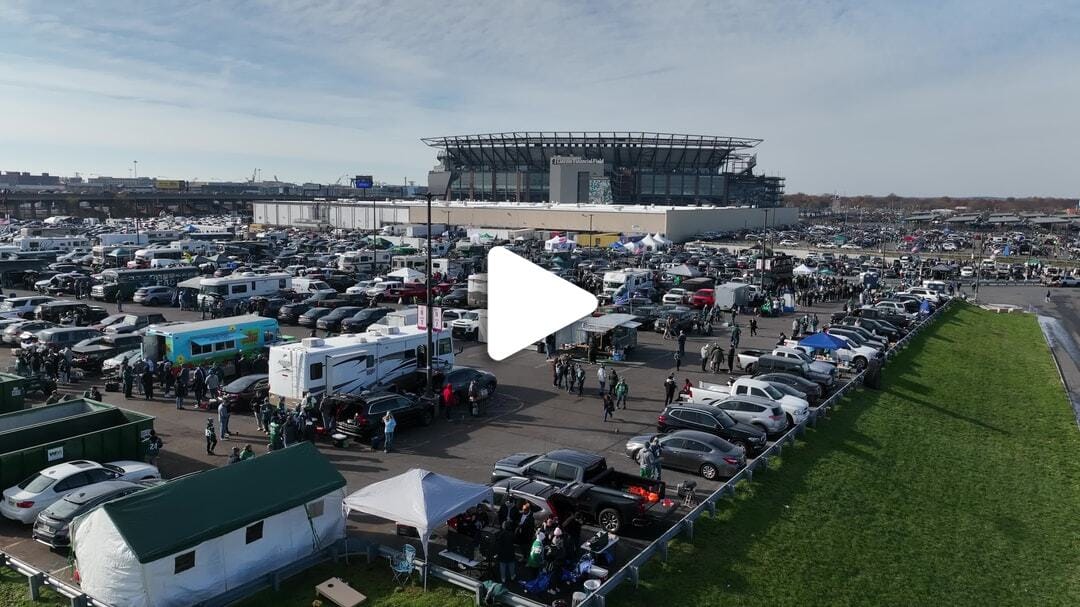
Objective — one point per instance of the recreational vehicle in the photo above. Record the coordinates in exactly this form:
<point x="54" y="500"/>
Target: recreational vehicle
<point x="112" y="256"/>
<point x="353" y="363"/>
<point x="364" y="261"/>
<point x="413" y="262"/>
<point x="122" y="238"/>
<point x="630" y="282"/>
<point x="143" y="257"/>
<point x="218" y="340"/>
<point x="122" y="284"/>
<point x="60" y="244"/>
<point x="243" y="286"/>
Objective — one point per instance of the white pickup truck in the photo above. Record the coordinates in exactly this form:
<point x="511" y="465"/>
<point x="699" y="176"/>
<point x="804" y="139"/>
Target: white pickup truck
<point x="854" y="355"/>
<point x="796" y="409"/>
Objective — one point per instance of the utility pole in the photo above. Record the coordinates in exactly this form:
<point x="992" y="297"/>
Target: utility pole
<point x="764" y="237"/>
<point x="430" y="310"/>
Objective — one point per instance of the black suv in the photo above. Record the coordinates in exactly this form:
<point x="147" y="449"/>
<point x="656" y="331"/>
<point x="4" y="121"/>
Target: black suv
<point x="55" y="311"/>
<point x="332" y="321"/>
<point x="361" y="415"/>
<point x="290" y="312"/>
<point x="359" y="322"/>
<point x="714" y="421"/>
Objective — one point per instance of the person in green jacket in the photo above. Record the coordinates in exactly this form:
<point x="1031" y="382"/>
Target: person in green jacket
<point x="247" y="453"/>
<point x="275" y="435"/>
<point x="620" y="393"/>
<point x="535" y="561"/>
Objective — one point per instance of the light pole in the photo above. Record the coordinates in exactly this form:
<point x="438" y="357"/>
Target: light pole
<point x="427" y="299"/>
<point x="590" y="215"/>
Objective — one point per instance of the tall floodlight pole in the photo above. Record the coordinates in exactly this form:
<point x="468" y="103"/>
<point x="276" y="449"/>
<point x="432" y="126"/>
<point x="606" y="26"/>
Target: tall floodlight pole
<point x="430" y="310"/>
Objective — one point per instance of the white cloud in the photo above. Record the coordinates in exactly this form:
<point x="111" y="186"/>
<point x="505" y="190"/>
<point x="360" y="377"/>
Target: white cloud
<point x="855" y="97"/>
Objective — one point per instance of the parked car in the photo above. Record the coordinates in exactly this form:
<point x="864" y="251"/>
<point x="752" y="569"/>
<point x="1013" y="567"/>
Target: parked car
<point x="332" y="322"/>
<point x="132" y="323"/>
<point x="406" y="293"/>
<point x="758" y="411"/>
<point x="674" y="295"/>
<point x="703" y="298"/>
<point x="89" y="354"/>
<point x="290" y="313"/>
<point x="467" y="326"/>
<point x="309" y="318"/>
<point x="360" y="415"/>
<point x="108" y="321"/>
<point x="692" y="451"/>
<point x="55" y="311"/>
<point x="13" y="333"/>
<point x="769" y="363"/>
<point x="813" y="390"/>
<point x="460" y="377"/>
<point x="111" y="366"/>
<point x="22" y="307"/>
<point x="359" y="322"/>
<point x="154" y="296"/>
<point x="243" y="392"/>
<point x="57" y="338"/>
<point x="457" y="298"/>
<point x="52" y="526"/>
<point x="713" y="420"/>
<point x="26" y="500"/>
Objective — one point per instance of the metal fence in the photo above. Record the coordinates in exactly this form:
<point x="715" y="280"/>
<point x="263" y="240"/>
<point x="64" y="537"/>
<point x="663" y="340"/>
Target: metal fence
<point x="631" y="571"/>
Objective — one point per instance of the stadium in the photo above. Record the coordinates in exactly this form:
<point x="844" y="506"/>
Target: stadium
<point x="604" y="168"/>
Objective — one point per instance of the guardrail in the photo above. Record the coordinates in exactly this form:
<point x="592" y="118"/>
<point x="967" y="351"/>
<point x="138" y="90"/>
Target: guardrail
<point x="37" y="579"/>
<point x="631" y="571"/>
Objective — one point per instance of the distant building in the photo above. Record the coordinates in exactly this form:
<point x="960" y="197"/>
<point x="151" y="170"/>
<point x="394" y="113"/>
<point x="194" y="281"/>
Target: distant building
<point x="16" y="181"/>
<point x="605" y="167"/>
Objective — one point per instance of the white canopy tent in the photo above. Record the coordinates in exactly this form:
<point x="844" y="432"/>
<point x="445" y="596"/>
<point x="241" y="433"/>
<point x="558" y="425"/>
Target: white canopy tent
<point x="683" y="270"/>
<point x="661" y="240"/>
<point x="803" y="270"/>
<point x="407" y="275"/>
<point x="559" y="243"/>
<point x="420" y="499"/>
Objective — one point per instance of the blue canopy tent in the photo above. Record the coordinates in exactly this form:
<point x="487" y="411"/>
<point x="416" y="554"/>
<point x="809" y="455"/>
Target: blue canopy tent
<point x="822" y="341"/>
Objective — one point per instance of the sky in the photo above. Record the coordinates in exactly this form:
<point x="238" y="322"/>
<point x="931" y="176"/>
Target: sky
<point x="923" y="98"/>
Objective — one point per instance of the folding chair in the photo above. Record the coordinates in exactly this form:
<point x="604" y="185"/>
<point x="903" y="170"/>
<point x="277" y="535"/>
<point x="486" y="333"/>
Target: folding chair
<point x="403" y="565"/>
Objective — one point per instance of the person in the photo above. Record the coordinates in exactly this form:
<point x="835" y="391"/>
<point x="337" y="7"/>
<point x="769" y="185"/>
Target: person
<point x="581" y="380"/>
<point x="120" y="305"/>
<point x="55" y="397"/>
<point x="128" y="377"/>
<point x="535" y="561"/>
<point x="211" y="436"/>
<point x="448" y="398"/>
<point x="474" y="398"/>
<point x="95" y="394"/>
<point x="736" y="334"/>
<point x="1048" y="296"/>
<point x="730" y="359"/>
<point x="682" y="343"/>
<point x="678" y="361"/>
<point x="620" y="393"/>
<point x="657" y="452"/>
<point x="234" y="456"/>
<point x="706" y="350"/>
<point x="687" y="388"/>
<point x="753" y="327"/>
<point x="609" y="406"/>
<point x="389" y="425"/>
<point x="571" y="377"/>
<point x="554" y="557"/>
<point x="783" y="338"/>
<point x="601" y="376"/>
<point x="794" y="328"/>
<point x="153" y="448"/>
<point x="669" y="389"/>
<point x="181" y="387"/>
<point x="213" y="382"/>
<point x="247" y="452"/>
<point x="814" y="323"/>
<point x="645" y="462"/>
<point x="524" y="526"/>
<point x="717" y="358"/>
<point x="274" y="436"/>
<point x="504" y="552"/>
<point x="223" y="418"/>
<point x="148" y="383"/>
<point x="326" y="410"/>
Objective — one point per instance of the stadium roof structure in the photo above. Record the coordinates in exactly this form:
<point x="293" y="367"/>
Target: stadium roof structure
<point x="534" y="149"/>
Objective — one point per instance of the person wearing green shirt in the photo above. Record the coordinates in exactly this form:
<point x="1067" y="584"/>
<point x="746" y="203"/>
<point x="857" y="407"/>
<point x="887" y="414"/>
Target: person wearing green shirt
<point x="620" y="393"/>
<point x="247" y="453"/>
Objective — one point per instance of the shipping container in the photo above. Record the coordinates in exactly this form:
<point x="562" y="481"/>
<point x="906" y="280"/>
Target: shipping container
<point x="34" y="439"/>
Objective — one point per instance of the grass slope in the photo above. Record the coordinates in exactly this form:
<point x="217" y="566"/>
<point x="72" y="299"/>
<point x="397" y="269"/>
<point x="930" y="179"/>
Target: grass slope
<point x="15" y="592"/>
<point x="958" y="484"/>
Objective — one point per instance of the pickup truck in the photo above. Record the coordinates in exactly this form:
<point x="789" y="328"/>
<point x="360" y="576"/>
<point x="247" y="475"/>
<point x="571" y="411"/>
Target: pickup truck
<point x="768" y="363"/>
<point x="796" y="409"/>
<point x="598" y="493"/>
<point x="854" y="354"/>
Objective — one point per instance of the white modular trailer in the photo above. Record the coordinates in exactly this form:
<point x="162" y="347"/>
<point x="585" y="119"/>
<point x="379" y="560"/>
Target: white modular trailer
<point x="244" y="285"/>
<point x="353" y="363"/>
<point x="633" y="282"/>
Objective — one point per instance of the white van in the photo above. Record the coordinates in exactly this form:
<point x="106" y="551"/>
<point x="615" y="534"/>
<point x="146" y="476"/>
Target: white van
<point x="312" y="286"/>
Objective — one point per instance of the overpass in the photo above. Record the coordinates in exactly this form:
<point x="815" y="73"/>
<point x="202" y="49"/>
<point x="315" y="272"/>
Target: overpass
<point x="38" y="205"/>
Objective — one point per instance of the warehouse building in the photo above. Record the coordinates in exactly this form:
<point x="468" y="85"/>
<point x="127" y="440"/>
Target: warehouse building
<point x="604" y="167"/>
<point x="679" y="223"/>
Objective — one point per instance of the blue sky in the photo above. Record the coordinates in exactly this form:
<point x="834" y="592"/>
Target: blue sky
<point x="914" y="97"/>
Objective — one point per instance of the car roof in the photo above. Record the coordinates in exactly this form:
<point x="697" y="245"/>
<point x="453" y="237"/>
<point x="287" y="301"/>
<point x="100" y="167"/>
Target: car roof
<point x="573" y="456"/>
<point x="527" y="486"/>
<point x="700" y="436"/>
<point x="91" y="492"/>
<point x="757" y="400"/>
<point x="693" y="406"/>
<point x="66" y="469"/>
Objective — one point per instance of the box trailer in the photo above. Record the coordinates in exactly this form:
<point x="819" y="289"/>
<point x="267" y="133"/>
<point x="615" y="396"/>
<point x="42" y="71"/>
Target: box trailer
<point x="34" y="439"/>
<point x="12" y="393"/>
<point x="477" y="291"/>
<point x="732" y="295"/>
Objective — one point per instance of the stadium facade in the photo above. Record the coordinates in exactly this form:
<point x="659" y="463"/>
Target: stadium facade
<point x="604" y="167"/>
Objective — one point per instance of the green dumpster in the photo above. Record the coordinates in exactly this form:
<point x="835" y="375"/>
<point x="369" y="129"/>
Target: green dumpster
<point x="34" y="439"/>
<point x="12" y="392"/>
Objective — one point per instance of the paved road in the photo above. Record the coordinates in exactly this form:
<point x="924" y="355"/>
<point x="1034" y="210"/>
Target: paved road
<point x="528" y="414"/>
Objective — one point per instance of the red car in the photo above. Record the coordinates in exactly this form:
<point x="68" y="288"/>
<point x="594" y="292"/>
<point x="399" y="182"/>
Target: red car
<point x="406" y="292"/>
<point x="703" y="298"/>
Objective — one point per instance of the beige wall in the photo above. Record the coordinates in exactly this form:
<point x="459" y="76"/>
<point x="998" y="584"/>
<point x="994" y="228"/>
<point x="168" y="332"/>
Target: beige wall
<point x="685" y="223"/>
<point x="541" y="219"/>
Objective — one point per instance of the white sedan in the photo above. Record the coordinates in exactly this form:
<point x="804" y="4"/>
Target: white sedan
<point x="24" y="501"/>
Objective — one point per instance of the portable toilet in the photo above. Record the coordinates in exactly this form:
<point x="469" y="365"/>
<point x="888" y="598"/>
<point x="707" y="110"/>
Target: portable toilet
<point x="12" y="393"/>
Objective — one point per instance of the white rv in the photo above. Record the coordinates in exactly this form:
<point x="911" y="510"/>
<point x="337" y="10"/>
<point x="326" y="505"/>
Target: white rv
<point x="143" y="257"/>
<point x="352" y="363"/>
<point x="243" y="286"/>
<point x="364" y="261"/>
<point x="633" y="281"/>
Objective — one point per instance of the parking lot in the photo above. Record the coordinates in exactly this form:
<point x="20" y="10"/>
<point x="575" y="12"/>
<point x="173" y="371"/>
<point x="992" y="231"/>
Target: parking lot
<point x="526" y="415"/>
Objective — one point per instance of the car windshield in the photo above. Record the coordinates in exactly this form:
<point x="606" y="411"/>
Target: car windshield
<point x="37" y="483"/>
<point x="240" y="384"/>
<point x="472" y="315"/>
<point x="773" y="393"/>
<point x="64" y="509"/>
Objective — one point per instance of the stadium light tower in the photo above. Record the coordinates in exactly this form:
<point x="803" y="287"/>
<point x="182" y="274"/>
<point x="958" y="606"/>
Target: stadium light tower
<point x="439" y="182"/>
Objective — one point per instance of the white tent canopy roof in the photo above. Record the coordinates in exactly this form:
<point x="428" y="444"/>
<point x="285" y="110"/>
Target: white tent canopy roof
<point x="407" y="275"/>
<point x="803" y="269"/>
<point x="418" y="498"/>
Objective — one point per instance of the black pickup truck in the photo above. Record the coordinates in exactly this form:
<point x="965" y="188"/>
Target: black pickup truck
<point x="597" y="492"/>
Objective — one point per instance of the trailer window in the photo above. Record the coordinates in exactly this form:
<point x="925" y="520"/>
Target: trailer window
<point x="184" y="562"/>
<point x="253" y="533"/>
<point x="370" y="361"/>
<point x="444" y="347"/>
<point x="224" y="345"/>
<point x="316" y="371"/>
<point x="240" y="288"/>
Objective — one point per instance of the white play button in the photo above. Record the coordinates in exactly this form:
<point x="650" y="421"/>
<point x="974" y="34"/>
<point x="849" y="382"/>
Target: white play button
<point x="526" y="303"/>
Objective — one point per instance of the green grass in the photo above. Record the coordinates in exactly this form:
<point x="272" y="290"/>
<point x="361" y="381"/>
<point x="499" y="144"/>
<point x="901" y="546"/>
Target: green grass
<point x="15" y="592"/>
<point x="375" y="581"/>
<point x="958" y="484"/>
